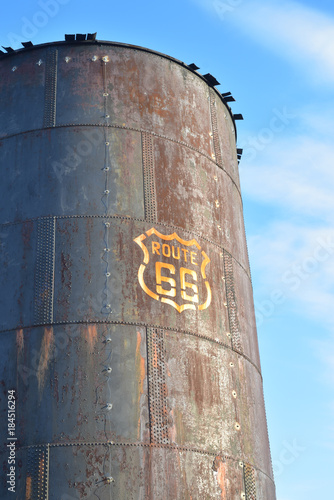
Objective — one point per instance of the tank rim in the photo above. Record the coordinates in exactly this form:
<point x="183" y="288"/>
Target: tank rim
<point x="124" y="45"/>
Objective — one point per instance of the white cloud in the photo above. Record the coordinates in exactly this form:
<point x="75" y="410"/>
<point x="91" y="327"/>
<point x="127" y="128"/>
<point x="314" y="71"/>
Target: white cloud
<point x="294" y="177"/>
<point x="299" y="33"/>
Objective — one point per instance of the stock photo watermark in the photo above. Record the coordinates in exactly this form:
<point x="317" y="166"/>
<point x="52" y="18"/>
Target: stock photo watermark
<point x="288" y="455"/>
<point x="47" y="9"/>
<point x="294" y="277"/>
<point x="279" y="121"/>
<point x="74" y="157"/>
<point x="225" y="8"/>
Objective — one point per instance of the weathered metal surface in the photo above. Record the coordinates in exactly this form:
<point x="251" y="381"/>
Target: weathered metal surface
<point x="126" y="314"/>
<point x="68" y="165"/>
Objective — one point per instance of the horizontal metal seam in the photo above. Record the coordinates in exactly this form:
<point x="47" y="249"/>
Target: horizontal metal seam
<point x="147" y="445"/>
<point x="68" y="125"/>
<point x="133" y="323"/>
<point x="120" y="217"/>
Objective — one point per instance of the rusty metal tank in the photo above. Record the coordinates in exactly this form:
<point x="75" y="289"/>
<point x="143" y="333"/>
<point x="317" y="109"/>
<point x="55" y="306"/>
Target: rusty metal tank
<point x="129" y="356"/>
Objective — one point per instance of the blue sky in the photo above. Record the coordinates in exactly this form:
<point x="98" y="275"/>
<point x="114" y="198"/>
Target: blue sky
<point x="277" y="59"/>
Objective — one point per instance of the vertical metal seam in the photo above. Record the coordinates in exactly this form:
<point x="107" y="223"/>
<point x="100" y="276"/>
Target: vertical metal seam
<point x="50" y="95"/>
<point x="214" y="123"/>
<point x="47" y="470"/>
<point x="150" y="202"/>
<point x="45" y="271"/>
<point x="232" y="303"/>
<point x="250" y="484"/>
<point x="53" y="257"/>
<point x="157" y="386"/>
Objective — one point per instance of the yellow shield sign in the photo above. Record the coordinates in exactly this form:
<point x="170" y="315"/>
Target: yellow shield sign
<point x="173" y="271"/>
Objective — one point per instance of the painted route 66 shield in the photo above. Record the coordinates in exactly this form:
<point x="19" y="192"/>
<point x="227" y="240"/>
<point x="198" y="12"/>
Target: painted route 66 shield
<point x="174" y="271"/>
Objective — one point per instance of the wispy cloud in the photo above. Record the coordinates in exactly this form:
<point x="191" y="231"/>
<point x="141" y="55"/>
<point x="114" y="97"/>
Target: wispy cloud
<point x="293" y="176"/>
<point x="296" y="32"/>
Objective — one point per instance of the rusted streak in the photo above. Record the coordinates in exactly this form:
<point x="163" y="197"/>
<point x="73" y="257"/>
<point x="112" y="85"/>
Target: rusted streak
<point x="219" y="467"/>
<point x="91" y="336"/>
<point x="19" y="341"/>
<point x="44" y="358"/>
<point x="28" y="488"/>
<point x="140" y="371"/>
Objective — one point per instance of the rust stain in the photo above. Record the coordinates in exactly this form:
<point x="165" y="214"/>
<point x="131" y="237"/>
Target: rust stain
<point x="19" y="341"/>
<point x="140" y="373"/>
<point x="27" y="229"/>
<point x="91" y="335"/>
<point x="45" y="352"/>
<point x="28" y="488"/>
<point x="219" y="467"/>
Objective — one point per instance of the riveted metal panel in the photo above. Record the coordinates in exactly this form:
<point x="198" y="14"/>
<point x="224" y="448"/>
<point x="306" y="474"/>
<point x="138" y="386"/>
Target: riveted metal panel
<point x="77" y="383"/>
<point x="17" y="265"/>
<point x="193" y="193"/>
<point x="142" y="90"/>
<point x="80" y="255"/>
<point x="22" y="93"/>
<point x="61" y="172"/>
<point x="201" y="407"/>
<point x="252" y="417"/>
<point x="177" y="472"/>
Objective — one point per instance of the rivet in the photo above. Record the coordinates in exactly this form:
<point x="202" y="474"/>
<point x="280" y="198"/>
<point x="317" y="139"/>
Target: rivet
<point x="106" y="249"/>
<point x="39" y="62"/>
<point x="107" y="116"/>
<point x="241" y="464"/>
<point x="237" y="426"/>
<point x="108" y="339"/>
<point x="231" y="364"/>
<point x="110" y="479"/>
<point x="107" y="224"/>
<point x="94" y="58"/>
<point x="109" y="369"/>
<point x="225" y="304"/>
<point x="106" y="169"/>
<point x="109" y="406"/>
<point x="67" y="59"/>
<point x="108" y="275"/>
<point x="219" y="227"/>
<point x="107" y="143"/>
<point x="105" y="94"/>
<point x="210" y="134"/>
<point x="234" y="394"/>
<point x="228" y="334"/>
<point x="106" y="191"/>
<point x="217" y="203"/>
<point x="243" y="495"/>
<point x="105" y="58"/>
<point x="14" y="68"/>
<point x="215" y="178"/>
<point x="213" y="156"/>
